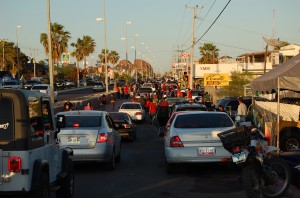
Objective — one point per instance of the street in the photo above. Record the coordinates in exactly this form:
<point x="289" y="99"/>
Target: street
<point x="142" y="173"/>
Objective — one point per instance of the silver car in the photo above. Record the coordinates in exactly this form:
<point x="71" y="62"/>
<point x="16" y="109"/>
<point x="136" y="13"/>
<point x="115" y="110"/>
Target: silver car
<point x="92" y="135"/>
<point x="192" y="138"/>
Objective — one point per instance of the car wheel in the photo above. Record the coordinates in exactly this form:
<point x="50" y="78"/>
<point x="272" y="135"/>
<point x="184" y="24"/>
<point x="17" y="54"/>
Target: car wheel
<point x="112" y="163"/>
<point x="44" y="187"/>
<point x="67" y="187"/>
<point x="290" y="141"/>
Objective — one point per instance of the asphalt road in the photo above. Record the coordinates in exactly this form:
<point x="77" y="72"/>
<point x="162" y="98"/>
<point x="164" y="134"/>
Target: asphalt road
<point x="142" y="173"/>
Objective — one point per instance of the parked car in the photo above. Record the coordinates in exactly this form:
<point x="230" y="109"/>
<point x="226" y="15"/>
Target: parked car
<point x="231" y="104"/>
<point x="126" y="126"/>
<point x="192" y="138"/>
<point x="92" y="135"/>
<point x="59" y="84"/>
<point x="99" y="86"/>
<point x="134" y="109"/>
<point x="29" y="84"/>
<point x="10" y="85"/>
<point x="69" y="83"/>
<point x="44" y="88"/>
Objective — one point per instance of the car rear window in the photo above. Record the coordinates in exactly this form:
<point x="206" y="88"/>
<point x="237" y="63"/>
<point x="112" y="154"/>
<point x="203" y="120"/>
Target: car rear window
<point x="203" y="121"/>
<point x="83" y="121"/>
<point x="130" y="106"/>
<point x="145" y="89"/>
<point x="191" y="109"/>
<point x="118" y="116"/>
<point x="6" y="119"/>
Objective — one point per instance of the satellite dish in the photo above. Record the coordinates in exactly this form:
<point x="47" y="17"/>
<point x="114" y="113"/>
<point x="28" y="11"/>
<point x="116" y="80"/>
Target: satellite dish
<point x="273" y="42"/>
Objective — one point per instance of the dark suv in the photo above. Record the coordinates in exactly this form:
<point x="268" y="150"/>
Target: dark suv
<point x="231" y="104"/>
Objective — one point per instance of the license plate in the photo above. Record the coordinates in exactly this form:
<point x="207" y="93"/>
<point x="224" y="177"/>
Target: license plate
<point x="206" y="151"/>
<point x="239" y="157"/>
<point x="74" y="140"/>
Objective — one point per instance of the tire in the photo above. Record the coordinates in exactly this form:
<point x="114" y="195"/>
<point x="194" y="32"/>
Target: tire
<point x="277" y="178"/>
<point x="112" y="163"/>
<point x="44" y="187"/>
<point x="251" y="182"/>
<point x="67" y="186"/>
<point x="290" y="140"/>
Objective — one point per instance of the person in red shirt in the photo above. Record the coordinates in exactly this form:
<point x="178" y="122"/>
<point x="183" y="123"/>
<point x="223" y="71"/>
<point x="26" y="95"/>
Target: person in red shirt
<point x="126" y="92"/>
<point x="164" y="103"/>
<point x="152" y="109"/>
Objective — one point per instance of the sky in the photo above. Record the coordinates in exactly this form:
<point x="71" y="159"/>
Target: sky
<point x="159" y="29"/>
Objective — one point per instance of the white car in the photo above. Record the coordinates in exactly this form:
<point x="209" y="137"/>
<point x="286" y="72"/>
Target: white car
<point x="134" y="109"/>
<point x="192" y="138"/>
<point x="149" y="85"/>
<point x="44" y="88"/>
<point x="10" y="85"/>
<point x="99" y="86"/>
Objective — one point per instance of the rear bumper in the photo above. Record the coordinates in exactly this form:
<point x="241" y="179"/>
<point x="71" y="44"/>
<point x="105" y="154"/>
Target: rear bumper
<point x="100" y="153"/>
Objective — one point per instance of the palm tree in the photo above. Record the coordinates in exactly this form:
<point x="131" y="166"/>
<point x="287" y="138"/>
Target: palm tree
<point x="114" y="57"/>
<point x="88" y="47"/>
<point x="60" y="39"/>
<point x="209" y="53"/>
<point x="102" y="54"/>
<point x="78" y="53"/>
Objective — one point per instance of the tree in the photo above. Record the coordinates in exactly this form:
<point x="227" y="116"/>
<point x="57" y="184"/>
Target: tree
<point x="114" y="57"/>
<point x="102" y="54"/>
<point x="60" y="39"/>
<point x="78" y="53"/>
<point x="209" y="53"/>
<point x="88" y="47"/>
<point x="236" y="85"/>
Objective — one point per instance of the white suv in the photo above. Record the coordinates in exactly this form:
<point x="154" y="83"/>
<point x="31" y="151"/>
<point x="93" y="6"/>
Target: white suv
<point x="44" y="88"/>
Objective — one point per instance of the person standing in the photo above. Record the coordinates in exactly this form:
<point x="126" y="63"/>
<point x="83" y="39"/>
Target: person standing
<point x="112" y="101"/>
<point x="242" y="109"/>
<point x="103" y="102"/>
<point x="207" y="100"/>
<point x="88" y="106"/>
<point x="67" y="108"/>
<point x="126" y="92"/>
<point x="152" y="109"/>
<point x="69" y="104"/>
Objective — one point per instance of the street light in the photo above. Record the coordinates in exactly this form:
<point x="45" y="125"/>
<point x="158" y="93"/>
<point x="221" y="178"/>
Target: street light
<point x="105" y="55"/>
<point x="17" y="27"/>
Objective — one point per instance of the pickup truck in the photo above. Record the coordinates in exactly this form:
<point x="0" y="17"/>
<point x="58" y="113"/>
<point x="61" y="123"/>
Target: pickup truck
<point x="31" y="161"/>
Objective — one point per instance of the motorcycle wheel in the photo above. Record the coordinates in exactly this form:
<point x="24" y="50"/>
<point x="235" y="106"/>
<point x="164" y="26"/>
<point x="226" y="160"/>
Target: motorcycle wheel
<point x="251" y="182"/>
<point x="277" y="177"/>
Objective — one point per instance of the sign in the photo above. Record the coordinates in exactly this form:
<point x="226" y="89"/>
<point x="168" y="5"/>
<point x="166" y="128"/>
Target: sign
<point x="185" y="55"/>
<point x="65" y="58"/>
<point x="180" y="65"/>
<point x="218" y="79"/>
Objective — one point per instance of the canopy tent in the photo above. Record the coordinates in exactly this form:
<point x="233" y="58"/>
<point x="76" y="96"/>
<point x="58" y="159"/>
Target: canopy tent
<point x="283" y="77"/>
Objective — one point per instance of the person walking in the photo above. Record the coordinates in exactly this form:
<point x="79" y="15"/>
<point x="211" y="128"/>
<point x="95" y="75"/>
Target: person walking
<point x="67" y="108"/>
<point x="152" y="110"/>
<point x="112" y="101"/>
<point x="207" y="100"/>
<point x="103" y="102"/>
<point x="88" y="106"/>
<point x="242" y="109"/>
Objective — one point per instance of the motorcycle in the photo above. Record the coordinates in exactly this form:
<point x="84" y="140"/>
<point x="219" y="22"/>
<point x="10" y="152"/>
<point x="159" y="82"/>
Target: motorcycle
<point x="263" y="173"/>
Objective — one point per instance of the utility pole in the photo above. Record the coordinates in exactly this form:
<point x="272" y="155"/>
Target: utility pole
<point x="191" y="81"/>
<point x="50" y="60"/>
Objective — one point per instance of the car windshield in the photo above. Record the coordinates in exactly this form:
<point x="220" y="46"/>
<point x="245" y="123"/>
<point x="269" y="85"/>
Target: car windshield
<point x="39" y="87"/>
<point x="203" y="121"/>
<point x="10" y="83"/>
<point x="83" y="121"/>
<point x="131" y="106"/>
<point x="145" y="89"/>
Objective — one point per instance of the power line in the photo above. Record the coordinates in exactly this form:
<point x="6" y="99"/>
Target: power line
<point x="210" y="25"/>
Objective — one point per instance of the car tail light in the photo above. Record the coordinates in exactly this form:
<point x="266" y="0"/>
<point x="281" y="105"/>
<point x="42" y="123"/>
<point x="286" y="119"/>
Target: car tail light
<point x="236" y="149"/>
<point x="14" y="164"/>
<point x="138" y="113"/>
<point x="75" y="125"/>
<point x="176" y="142"/>
<point x="102" y="137"/>
<point x="126" y="126"/>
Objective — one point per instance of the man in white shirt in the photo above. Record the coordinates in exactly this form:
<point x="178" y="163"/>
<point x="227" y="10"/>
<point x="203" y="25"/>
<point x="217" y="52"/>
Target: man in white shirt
<point x="242" y="109"/>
